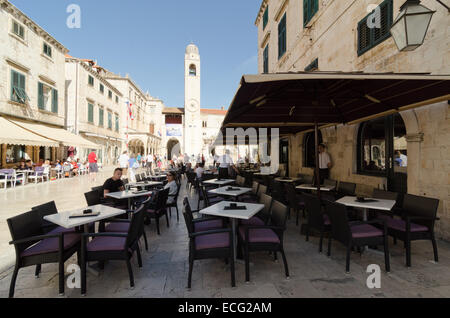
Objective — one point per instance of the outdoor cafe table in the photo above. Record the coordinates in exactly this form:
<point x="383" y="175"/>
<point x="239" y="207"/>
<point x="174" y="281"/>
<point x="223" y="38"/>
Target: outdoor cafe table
<point x="63" y="219"/>
<point x="372" y="204"/>
<point x="128" y="195"/>
<point x="315" y="188"/>
<point x="146" y="184"/>
<point x="234" y="215"/>
<point x="222" y="182"/>
<point x="288" y="180"/>
<point x="235" y="193"/>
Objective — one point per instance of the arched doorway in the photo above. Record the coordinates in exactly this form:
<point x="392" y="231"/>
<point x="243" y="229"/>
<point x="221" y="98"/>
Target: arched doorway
<point x="136" y="146"/>
<point x="382" y="151"/>
<point x="173" y="148"/>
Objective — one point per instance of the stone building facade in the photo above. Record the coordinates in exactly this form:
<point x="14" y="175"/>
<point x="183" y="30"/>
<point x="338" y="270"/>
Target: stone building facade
<point x="309" y="35"/>
<point x="93" y="108"/>
<point x="138" y="129"/>
<point x="32" y="80"/>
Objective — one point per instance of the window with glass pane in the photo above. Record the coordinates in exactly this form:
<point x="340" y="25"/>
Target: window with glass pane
<point x="373" y="146"/>
<point x="117" y="99"/>
<point x="117" y="123"/>
<point x="282" y="37"/>
<point x="110" y="123"/>
<point x="18" y="30"/>
<point x="91" y="80"/>
<point x="90" y="113"/>
<point x="109" y="94"/>
<point x="18" y="93"/>
<point x="102" y="88"/>
<point x="310" y="8"/>
<point x="47" y="50"/>
<point x="309" y="149"/>
<point x="101" y="117"/>
<point x="15" y="153"/>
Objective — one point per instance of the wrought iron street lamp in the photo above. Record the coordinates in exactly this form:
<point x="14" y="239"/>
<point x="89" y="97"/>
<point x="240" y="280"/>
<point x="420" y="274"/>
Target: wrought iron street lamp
<point x="411" y="25"/>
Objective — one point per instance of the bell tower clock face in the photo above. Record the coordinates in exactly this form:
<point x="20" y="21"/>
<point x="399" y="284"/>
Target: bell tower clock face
<point x="193" y="106"/>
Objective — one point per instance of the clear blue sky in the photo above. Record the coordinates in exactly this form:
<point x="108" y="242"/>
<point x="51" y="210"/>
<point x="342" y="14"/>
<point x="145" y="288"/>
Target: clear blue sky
<point x="147" y="39"/>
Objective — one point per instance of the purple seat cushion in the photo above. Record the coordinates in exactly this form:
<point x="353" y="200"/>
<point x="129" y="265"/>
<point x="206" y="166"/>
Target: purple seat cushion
<point x="219" y="240"/>
<point x="260" y="235"/>
<point x="208" y="225"/>
<point x="60" y="229"/>
<point x="326" y="220"/>
<point x="51" y="245"/>
<point x="365" y="230"/>
<point x="253" y="221"/>
<point x="400" y="225"/>
<point x="109" y="244"/>
<point x="117" y="227"/>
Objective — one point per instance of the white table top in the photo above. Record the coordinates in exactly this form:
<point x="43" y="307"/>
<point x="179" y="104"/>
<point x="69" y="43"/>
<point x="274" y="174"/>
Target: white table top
<point x="311" y="187"/>
<point x="62" y="219"/>
<point x="221" y="182"/>
<point x="145" y="184"/>
<point x="290" y="180"/>
<point x="218" y="210"/>
<point x="127" y="194"/>
<point x="380" y="204"/>
<point x="223" y="191"/>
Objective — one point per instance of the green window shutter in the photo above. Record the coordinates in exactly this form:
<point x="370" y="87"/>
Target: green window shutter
<point x="266" y="59"/>
<point x="314" y="8"/>
<point x="305" y="12"/>
<point x="41" y="95"/>
<point x="54" y="101"/>
<point x="266" y="18"/>
<point x="90" y="113"/>
<point x="282" y="37"/>
<point x="101" y="119"/>
<point x="14" y="85"/>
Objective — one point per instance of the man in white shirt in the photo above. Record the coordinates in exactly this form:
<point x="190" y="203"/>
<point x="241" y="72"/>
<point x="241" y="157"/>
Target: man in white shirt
<point x="324" y="163"/>
<point x="172" y="186"/>
<point x="225" y="161"/>
<point x="199" y="171"/>
<point x="123" y="162"/>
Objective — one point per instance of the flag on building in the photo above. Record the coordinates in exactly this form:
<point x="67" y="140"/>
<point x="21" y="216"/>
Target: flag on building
<point x="130" y="110"/>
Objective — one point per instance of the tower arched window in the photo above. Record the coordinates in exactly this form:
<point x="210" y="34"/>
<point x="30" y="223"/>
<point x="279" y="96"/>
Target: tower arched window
<point x="192" y="70"/>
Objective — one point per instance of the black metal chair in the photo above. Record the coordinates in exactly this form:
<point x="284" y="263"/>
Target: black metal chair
<point x="251" y="197"/>
<point x="158" y="208"/>
<point x="92" y="198"/>
<point x="113" y="246"/>
<point x="117" y="225"/>
<point x="208" y="244"/>
<point x="345" y="189"/>
<point x="263" y="217"/>
<point x="265" y="237"/>
<point x="33" y="247"/>
<point x="240" y="181"/>
<point x="204" y="223"/>
<point x="46" y="209"/>
<point x="207" y="198"/>
<point x="417" y="223"/>
<point x="317" y="219"/>
<point x="305" y="178"/>
<point x="355" y="234"/>
<point x="174" y="203"/>
<point x="295" y="201"/>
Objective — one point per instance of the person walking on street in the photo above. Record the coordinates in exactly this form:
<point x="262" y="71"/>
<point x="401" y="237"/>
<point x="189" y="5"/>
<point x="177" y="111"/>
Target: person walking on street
<point x="93" y="166"/>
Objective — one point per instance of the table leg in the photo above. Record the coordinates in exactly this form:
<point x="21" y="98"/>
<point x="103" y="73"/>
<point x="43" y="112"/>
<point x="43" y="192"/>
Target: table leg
<point x="366" y="248"/>
<point x="91" y="268"/>
<point x="233" y="227"/>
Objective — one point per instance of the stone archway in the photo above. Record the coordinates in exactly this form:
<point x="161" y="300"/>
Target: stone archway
<point x="136" y="146"/>
<point x="173" y="148"/>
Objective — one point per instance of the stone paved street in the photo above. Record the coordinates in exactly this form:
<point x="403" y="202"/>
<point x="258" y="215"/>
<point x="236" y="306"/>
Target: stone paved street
<point x="165" y="264"/>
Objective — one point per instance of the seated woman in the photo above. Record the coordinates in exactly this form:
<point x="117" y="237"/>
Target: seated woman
<point x="22" y="165"/>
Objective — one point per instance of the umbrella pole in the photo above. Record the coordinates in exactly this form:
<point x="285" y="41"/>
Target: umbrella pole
<point x="316" y="132"/>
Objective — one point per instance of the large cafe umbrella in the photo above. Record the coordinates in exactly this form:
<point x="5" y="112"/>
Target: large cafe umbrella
<point x="300" y="102"/>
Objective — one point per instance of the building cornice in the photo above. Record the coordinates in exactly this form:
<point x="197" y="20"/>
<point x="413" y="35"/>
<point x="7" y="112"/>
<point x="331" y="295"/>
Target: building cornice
<point x="10" y="8"/>
<point x="262" y="8"/>
<point x="94" y="73"/>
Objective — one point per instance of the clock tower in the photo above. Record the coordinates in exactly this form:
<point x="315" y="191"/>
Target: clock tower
<point x="193" y="138"/>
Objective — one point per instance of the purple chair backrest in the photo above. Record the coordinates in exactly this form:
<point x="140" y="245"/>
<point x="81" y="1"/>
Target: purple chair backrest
<point x="39" y="171"/>
<point x="9" y="173"/>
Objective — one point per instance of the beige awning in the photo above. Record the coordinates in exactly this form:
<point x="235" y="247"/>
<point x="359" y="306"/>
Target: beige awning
<point x="12" y="134"/>
<point x="57" y="134"/>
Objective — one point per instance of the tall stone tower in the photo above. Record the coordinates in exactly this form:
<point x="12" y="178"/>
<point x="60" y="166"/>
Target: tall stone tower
<point x="192" y="120"/>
